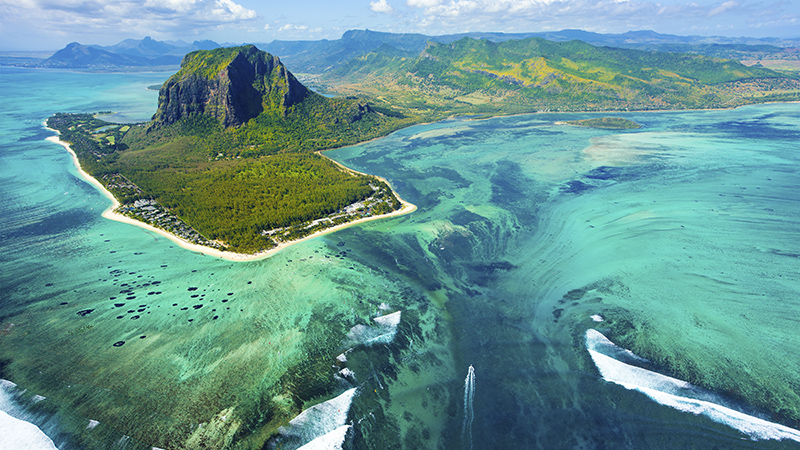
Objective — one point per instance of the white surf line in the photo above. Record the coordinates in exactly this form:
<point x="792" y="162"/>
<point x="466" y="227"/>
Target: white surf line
<point x="383" y="333"/>
<point x="329" y="441"/>
<point x="679" y="394"/>
<point x="323" y="426"/>
<point x="15" y="432"/>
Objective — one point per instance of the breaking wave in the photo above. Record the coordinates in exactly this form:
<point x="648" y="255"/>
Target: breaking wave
<point x="676" y="393"/>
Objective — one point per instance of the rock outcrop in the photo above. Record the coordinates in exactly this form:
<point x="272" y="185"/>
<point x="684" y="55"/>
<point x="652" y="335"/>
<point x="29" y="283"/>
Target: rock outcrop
<point x="233" y="85"/>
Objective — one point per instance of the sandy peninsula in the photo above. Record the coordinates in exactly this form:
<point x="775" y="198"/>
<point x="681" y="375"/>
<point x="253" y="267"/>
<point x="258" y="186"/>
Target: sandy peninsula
<point x="110" y="213"/>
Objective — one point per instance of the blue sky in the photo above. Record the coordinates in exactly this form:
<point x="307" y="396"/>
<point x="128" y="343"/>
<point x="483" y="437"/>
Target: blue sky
<point x="51" y="24"/>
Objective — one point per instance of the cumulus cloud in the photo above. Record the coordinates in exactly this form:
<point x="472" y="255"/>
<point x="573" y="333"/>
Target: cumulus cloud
<point x="228" y="10"/>
<point x="293" y="27"/>
<point x="530" y="8"/>
<point x="381" y="6"/>
<point x="423" y="3"/>
<point x="595" y="15"/>
<point x="126" y="16"/>
<point x="723" y="8"/>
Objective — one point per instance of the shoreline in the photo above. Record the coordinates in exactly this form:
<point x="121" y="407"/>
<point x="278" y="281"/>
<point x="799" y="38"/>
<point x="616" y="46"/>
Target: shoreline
<point x="111" y="214"/>
<point x="406" y="208"/>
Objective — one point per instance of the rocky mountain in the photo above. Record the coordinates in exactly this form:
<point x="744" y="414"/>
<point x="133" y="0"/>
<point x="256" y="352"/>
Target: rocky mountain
<point x="151" y="48"/>
<point x="128" y="54"/>
<point x="78" y="56"/>
<point x="235" y="132"/>
<point x="233" y="85"/>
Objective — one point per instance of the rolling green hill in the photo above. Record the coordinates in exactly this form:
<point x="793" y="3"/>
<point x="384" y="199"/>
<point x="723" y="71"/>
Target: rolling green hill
<point x="533" y="74"/>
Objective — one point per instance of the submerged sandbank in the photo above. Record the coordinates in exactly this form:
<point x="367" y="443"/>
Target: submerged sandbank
<point x="110" y="213"/>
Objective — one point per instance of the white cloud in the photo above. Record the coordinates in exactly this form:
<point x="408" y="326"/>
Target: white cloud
<point x="423" y="3"/>
<point x="228" y="10"/>
<point x="381" y="6"/>
<point x="293" y="27"/>
<point x="592" y="15"/>
<point x="175" y="5"/>
<point x="727" y="6"/>
<point x="128" y="17"/>
<point x="25" y="23"/>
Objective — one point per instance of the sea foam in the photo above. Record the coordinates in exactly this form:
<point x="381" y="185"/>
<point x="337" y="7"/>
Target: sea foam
<point x="323" y="426"/>
<point x="16" y="433"/>
<point x="382" y="333"/>
<point x="329" y="441"/>
<point x="676" y="393"/>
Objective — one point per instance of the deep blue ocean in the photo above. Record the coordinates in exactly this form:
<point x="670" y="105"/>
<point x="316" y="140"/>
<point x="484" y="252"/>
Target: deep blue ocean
<point x="557" y="288"/>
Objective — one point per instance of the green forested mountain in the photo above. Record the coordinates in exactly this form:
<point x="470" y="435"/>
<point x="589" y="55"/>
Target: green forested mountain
<point x="228" y="159"/>
<point x="325" y="55"/>
<point x="231" y="153"/>
<point x="532" y="74"/>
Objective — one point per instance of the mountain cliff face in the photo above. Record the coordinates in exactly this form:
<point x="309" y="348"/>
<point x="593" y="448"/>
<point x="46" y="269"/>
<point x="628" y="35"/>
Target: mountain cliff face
<point x="233" y="85"/>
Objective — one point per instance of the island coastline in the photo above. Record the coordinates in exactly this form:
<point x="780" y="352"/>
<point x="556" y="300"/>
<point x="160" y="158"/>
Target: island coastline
<point x="111" y="214"/>
<point x="406" y="207"/>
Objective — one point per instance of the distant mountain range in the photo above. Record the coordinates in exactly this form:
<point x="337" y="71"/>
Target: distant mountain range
<point x="130" y="53"/>
<point x="471" y="76"/>
<point x="323" y="55"/>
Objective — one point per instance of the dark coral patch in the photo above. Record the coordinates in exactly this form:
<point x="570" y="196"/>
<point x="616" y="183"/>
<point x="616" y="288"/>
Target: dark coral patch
<point x="84" y="312"/>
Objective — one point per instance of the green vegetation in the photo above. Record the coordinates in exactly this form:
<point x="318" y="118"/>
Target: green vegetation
<point x="228" y="160"/>
<point x="609" y="123"/>
<point x="244" y="204"/>
<point x="478" y="76"/>
<point x="318" y="123"/>
<point x="241" y="188"/>
<point x="207" y="63"/>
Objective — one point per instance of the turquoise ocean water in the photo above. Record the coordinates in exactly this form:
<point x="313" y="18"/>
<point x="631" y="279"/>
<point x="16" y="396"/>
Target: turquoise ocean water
<point x="677" y="241"/>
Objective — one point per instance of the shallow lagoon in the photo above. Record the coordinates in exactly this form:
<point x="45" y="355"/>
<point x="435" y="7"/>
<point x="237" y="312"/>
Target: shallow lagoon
<point x="681" y="235"/>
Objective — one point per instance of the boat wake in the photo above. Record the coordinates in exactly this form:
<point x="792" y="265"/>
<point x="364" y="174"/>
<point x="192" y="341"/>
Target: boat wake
<point x="469" y="414"/>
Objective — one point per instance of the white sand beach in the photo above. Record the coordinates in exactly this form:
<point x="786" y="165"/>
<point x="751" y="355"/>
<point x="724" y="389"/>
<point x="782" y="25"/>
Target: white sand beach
<point x="111" y="214"/>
